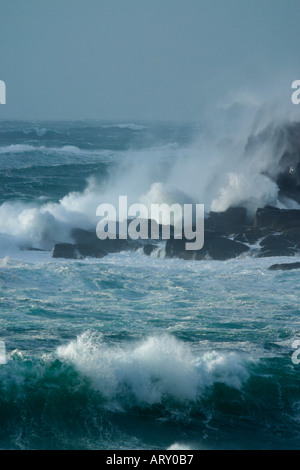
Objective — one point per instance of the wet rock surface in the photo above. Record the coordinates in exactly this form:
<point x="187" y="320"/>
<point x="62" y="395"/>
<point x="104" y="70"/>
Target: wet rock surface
<point x="284" y="266"/>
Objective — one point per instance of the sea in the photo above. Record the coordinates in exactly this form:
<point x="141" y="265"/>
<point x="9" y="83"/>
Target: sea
<point x="137" y="352"/>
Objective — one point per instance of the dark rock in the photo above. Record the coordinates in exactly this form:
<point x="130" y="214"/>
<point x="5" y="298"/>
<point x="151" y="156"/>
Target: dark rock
<point x="288" y="183"/>
<point x="76" y="251"/>
<point x="31" y="248"/>
<point x="215" y="246"/>
<point x="109" y="245"/>
<point x="149" y="248"/>
<point x="90" y="251"/>
<point x="232" y="220"/>
<point x="222" y="249"/>
<point x="154" y="227"/>
<point x="293" y="235"/>
<point x="251" y="236"/>
<point x="65" y="250"/>
<point x="284" y="266"/>
<point x="286" y="243"/>
<point x="276" y="245"/>
<point x="87" y="244"/>
<point x="276" y="219"/>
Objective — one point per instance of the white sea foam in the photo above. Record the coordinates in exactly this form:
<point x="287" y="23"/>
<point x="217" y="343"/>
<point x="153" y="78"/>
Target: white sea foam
<point x="71" y="150"/>
<point x="39" y="131"/>
<point x="17" y="148"/>
<point x="29" y="225"/>
<point x="239" y="191"/>
<point x="178" y="446"/>
<point x="152" y="369"/>
<point x="131" y="126"/>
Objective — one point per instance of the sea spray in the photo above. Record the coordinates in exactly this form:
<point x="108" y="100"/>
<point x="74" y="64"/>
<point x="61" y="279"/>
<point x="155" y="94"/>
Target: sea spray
<point x="220" y="167"/>
<point x="154" y="368"/>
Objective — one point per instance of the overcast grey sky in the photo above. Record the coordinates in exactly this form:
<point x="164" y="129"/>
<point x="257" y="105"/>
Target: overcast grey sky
<point x="143" y="59"/>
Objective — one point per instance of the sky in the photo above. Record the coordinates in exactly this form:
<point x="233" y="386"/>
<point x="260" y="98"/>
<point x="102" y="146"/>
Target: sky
<point x="144" y="59"/>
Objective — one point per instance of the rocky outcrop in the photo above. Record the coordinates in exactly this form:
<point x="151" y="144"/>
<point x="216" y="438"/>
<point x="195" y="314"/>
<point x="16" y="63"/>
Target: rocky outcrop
<point x="109" y="245"/>
<point x="284" y="266"/>
<point x="87" y="244"/>
<point x="276" y="245"/>
<point x="149" y="248"/>
<point x="216" y="246"/>
<point x="280" y="231"/>
<point x="283" y="143"/>
<point x="276" y="219"/>
<point x="233" y="220"/>
<point x="251" y="236"/>
<point x="76" y="251"/>
<point x="274" y="232"/>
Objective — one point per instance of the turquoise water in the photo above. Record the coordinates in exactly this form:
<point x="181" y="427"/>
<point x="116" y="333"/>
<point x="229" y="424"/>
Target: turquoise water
<point x="130" y="351"/>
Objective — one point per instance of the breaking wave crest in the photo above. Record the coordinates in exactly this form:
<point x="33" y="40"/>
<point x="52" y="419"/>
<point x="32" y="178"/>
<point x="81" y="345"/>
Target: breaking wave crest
<point x="155" y="368"/>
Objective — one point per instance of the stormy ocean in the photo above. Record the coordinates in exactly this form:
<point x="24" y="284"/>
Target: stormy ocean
<point x="133" y="351"/>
